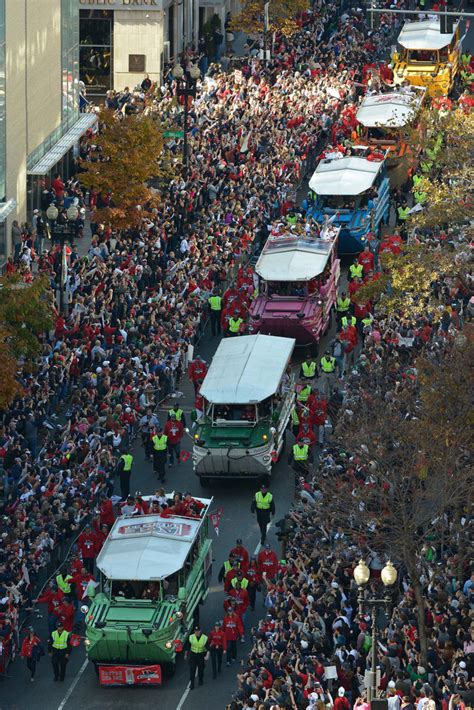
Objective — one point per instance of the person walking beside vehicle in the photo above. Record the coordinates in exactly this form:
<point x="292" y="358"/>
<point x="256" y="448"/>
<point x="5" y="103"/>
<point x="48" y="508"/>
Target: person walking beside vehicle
<point x="308" y="369"/>
<point x="160" y="450"/>
<point x="264" y="506"/>
<point x="58" y="649"/>
<point x="217" y="646"/>
<point x="124" y="470"/>
<point x="174" y="430"/>
<point x="215" y="306"/>
<point x="31" y="650"/>
<point x="233" y="630"/>
<point x="328" y="367"/>
<point x="198" y="654"/>
<point x="146" y="426"/>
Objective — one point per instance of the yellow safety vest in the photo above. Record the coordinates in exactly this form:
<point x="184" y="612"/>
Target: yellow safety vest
<point x="228" y="566"/>
<point x="60" y="639"/>
<point x="63" y="583"/>
<point x="356" y="271"/>
<point x="160" y="443"/>
<point x="178" y="413"/>
<point x="294" y="417"/>
<point x="215" y="303"/>
<point x="198" y="645"/>
<point x="403" y="213"/>
<point x="234" y="324"/>
<point x="343" y="304"/>
<point x="263" y="502"/>
<point x="300" y="453"/>
<point x="244" y="583"/>
<point x="367" y="320"/>
<point x="309" y="370"/>
<point x="127" y="461"/>
<point x="303" y="395"/>
<point x="345" y="320"/>
<point x="329" y="364"/>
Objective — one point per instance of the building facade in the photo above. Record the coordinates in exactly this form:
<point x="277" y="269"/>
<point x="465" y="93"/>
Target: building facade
<point x="40" y="122"/>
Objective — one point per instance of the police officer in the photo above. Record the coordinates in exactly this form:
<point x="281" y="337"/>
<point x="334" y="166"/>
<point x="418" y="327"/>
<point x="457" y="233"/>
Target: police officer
<point x="356" y="270"/>
<point x="178" y="414"/>
<point x="160" y="450"/>
<point x="198" y="654"/>
<point x="264" y="506"/>
<point x="234" y="324"/>
<point x="59" y="649"/>
<point x="215" y="305"/>
<point x="348" y="320"/>
<point x="300" y="457"/>
<point x="124" y="469"/>
<point x="328" y="367"/>
<point x="343" y="304"/>
<point x="308" y="369"/>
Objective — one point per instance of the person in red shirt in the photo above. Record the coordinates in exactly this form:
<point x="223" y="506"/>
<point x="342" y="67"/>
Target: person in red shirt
<point x="81" y="580"/>
<point x="53" y="597"/>
<point x="366" y="258"/>
<point x="32" y="650"/>
<point x="67" y="614"/>
<point x="267" y="562"/>
<point x="306" y="434"/>
<point x="233" y="630"/>
<point x="101" y="537"/>
<point x="241" y="555"/>
<point x="254" y="578"/>
<point x="229" y="576"/>
<point x="86" y="544"/>
<point x="106" y="511"/>
<point x="174" y="430"/>
<point x="196" y="372"/>
<point x="217" y="645"/>
<point x="354" y="286"/>
<point x="341" y="702"/>
<point x="238" y="597"/>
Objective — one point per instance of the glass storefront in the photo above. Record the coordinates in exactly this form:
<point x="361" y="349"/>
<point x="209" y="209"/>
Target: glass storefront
<point x="96" y="36"/>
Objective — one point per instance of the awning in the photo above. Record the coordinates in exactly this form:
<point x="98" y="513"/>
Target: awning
<point x="53" y="156"/>
<point x="6" y="208"/>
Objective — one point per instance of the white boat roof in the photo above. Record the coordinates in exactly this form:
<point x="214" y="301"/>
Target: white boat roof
<point x="292" y="257"/>
<point x="424" y="35"/>
<point x="344" y="176"/>
<point x="392" y="110"/>
<point x="149" y="547"/>
<point x="247" y="369"/>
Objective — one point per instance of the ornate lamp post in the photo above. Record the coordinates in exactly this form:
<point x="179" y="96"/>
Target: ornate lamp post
<point x="62" y="233"/>
<point x="373" y="602"/>
<point x="186" y="87"/>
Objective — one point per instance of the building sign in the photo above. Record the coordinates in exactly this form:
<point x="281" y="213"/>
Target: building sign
<point x="136" y="63"/>
<point x="122" y="4"/>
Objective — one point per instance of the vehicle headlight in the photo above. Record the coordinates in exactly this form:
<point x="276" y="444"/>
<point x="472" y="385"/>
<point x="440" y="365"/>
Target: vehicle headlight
<point x="87" y="642"/>
<point x="179" y="615"/>
<point x="264" y="437"/>
<point x="168" y="645"/>
<point x="266" y="458"/>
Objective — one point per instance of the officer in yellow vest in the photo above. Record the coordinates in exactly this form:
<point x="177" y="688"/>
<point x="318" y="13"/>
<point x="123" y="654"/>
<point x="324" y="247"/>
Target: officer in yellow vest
<point x="343" y="304"/>
<point x="303" y="394"/>
<point x="124" y="469"/>
<point x="178" y="414"/>
<point x="264" y="506"/>
<point x="295" y="420"/>
<point x="198" y="654"/>
<point x="159" y="441"/>
<point x="300" y="456"/>
<point x="356" y="270"/>
<point x="235" y="325"/>
<point x="215" y="309"/>
<point x="308" y="369"/>
<point x="63" y="580"/>
<point x="348" y="320"/>
<point x="59" y="649"/>
<point x="328" y="367"/>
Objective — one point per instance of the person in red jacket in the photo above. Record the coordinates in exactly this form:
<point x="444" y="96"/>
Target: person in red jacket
<point x="66" y="614"/>
<point x="240" y="598"/>
<point x="241" y="555"/>
<point x="254" y="577"/>
<point x="229" y="576"/>
<point x="81" y="580"/>
<point x="217" y="645"/>
<point x="106" y="511"/>
<point x="196" y="372"/>
<point x="174" y="430"/>
<point x="53" y="597"/>
<point x="366" y="258"/>
<point x="267" y="562"/>
<point x="233" y="629"/>
<point x="86" y="544"/>
<point x="100" y="538"/>
<point x="32" y="650"/>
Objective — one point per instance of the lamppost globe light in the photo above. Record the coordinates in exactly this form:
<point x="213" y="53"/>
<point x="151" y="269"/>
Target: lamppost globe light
<point x="389" y="574"/>
<point x="52" y="212"/>
<point x="361" y="574"/>
<point x="194" y="72"/>
<point x="72" y="213"/>
<point x="178" y="71"/>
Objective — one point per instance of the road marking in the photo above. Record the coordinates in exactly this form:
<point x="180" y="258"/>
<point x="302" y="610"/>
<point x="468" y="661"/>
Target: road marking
<point x="257" y="549"/>
<point x="73" y="684"/>
<point x="183" y="699"/>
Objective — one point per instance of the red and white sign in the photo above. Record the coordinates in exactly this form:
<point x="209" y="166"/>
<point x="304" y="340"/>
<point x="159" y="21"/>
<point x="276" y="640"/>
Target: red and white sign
<point x="215" y="519"/>
<point x="130" y="675"/>
<point x="159" y="527"/>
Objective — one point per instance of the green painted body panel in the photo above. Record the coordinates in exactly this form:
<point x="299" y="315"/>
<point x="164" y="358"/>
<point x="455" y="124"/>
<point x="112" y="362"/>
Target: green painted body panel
<point x="221" y="437"/>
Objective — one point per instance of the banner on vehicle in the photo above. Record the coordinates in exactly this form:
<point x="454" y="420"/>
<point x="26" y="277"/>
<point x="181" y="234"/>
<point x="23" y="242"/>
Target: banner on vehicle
<point x="126" y="675"/>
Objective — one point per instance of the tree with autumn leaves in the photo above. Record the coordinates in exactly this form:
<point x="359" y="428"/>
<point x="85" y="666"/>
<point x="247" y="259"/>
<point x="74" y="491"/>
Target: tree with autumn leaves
<point x="125" y="156"/>
<point x="282" y="16"/>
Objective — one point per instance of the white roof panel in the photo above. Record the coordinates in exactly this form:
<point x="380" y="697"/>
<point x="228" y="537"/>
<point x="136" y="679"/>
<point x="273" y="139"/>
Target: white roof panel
<point x="392" y="110"/>
<point x="289" y="258"/>
<point x="424" y="35"/>
<point x="247" y="369"/>
<point x="345" y="176"/>
<point x="148" y="547"/>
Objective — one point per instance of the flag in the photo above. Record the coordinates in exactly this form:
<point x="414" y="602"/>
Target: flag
<point x="215" y="517"/>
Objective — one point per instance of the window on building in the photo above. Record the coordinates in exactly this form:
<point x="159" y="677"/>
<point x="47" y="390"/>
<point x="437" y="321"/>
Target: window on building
<point x="70" y="62"/>
<point x="96" y="36"/>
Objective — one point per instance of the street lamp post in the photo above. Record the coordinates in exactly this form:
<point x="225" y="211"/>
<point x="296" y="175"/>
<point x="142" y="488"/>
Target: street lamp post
<point x="62" y="233"/>
<point x="186" y="87"/>
<point x="373" y="603"/>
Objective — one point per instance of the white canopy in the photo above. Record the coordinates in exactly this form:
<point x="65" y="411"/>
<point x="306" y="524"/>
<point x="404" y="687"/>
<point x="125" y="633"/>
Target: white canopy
<point x="290" y="258"/>
<point x="345" y="176"/>
<point x="247" y="369"/>
<point x="148" y="547"/>
<point x="392" y="110"/>
<point x="424" y="35"/>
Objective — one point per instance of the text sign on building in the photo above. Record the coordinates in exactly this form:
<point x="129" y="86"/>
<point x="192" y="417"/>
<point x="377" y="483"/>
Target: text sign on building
<point x="122" y="4"/>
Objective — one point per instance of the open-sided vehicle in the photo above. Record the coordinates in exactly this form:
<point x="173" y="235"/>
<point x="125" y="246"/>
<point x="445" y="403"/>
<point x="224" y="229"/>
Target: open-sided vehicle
<point x="154" y="572"/>
<point x="249" y="394"/>
<point x="354" y="190"/>
<point x="427" y="57"/>
<point x="298" y="279"/>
